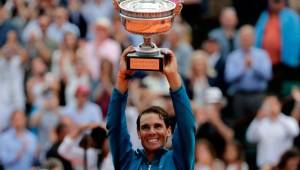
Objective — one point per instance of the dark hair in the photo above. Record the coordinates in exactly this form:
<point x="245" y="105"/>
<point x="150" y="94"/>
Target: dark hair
<point x="291" y="153"/>
<point x="239" y="148"/>
<point x="156" y="110"/>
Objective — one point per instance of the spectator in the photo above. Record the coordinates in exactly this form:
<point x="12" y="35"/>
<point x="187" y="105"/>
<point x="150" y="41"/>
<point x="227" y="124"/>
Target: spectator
<point x="18" y="145"/>
<point x="61" y="130"/>
<point x="205" y="157"/>
<point x="226" y="35"/>
<point x="289" y="160"/>
<point x="105" y="85"/>
<point x="101" y="47"/>
<point x="36" y="39"/>
<point x="11" y="86"/>
<point x="278" y="32"/>
<point x="40" y="83"/>
<point x="6" y="25"/>
<point x="247" y="70"/>
<point x="83" y="112"/>
<point x="200" y="77"/>
<point x="272" y="131"/>
<point x="76" y="17"/>
<point x="217" y="61"/>
<point x="183" y="50"/>
<point x="209" y="121"/>
<point x="61" y="25"/>
<point x="234" y="157"/>
<point x="95" y="9"/>
<point x="45" y="120"/>
<point x="94" y="147"/>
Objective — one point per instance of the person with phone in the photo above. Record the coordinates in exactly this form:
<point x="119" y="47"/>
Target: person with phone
<point x="153" y="126"/>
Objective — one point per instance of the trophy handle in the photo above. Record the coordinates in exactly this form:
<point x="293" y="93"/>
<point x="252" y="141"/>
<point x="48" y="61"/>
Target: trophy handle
<point x="177" y="9"/>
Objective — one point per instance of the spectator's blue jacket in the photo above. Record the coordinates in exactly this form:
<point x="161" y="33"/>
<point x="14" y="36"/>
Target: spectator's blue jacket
<point x="181" y="157"/>
<point x="290" y="35"/>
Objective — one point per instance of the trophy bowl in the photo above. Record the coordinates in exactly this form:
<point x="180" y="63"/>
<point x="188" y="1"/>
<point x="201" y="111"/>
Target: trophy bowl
<point x="147" y="18"/>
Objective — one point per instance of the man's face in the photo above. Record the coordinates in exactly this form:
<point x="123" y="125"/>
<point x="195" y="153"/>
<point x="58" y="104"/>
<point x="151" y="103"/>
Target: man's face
<point x="153" y="132"/>
<point x="19" y="120"/>
<point x="276" y="5"/>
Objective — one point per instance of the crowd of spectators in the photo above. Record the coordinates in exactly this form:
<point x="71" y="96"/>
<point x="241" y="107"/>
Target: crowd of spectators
<point x="58" y="60"/>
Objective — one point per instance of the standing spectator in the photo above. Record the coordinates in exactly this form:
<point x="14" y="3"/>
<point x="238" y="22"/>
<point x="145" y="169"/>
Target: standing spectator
<point x="101" y="47"/>
<point x="36" y="39"/>
<point x="272" y="131"/>
<point x="226" y="35"/>
<point x="18" y="145"/>
<point x="83" y="112"/>
<point x="61" y="25"/>
<point x="248" y="70"/>
<point x="6" y="25"/>
<point x="278" y="32"/>
<point x="217" y="61"/>
<point x="183" y="50"/>
<point x="11" y="86"/>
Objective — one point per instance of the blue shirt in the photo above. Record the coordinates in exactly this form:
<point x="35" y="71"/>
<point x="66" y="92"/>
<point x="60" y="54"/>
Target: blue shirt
<point x="253" y="79"/>
<point x="181" y="157"/>
<point x="11" y="145"/>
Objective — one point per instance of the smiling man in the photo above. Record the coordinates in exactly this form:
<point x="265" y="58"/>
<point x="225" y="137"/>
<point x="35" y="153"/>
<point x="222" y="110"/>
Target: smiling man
<point x="153" y="126"/>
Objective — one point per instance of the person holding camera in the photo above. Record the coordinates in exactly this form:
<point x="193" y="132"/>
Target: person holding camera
<point x="153" y="126"/>
<point x="273" y="132"/>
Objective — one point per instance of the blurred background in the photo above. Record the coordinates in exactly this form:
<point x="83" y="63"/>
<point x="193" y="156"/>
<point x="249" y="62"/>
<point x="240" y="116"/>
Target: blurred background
<point x="239" y="61"/>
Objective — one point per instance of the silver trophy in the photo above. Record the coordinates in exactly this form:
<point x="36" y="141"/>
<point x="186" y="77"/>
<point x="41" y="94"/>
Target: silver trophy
<point x="147" y="18"/>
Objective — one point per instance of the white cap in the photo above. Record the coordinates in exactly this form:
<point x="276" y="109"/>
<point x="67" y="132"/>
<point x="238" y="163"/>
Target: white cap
<point x="214" y="95"/>
<point x="103" y="22"/>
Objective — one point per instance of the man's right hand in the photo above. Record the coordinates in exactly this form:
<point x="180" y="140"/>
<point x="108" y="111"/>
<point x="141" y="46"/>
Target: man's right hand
<point x="123" y="73"/>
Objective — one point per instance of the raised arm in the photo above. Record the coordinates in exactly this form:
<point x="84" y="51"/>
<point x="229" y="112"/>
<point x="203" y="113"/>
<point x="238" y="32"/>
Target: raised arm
<point x="118" y="135"/>
<point x="184" y="134"/>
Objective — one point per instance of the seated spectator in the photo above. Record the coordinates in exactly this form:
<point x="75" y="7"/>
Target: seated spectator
<point x="18" y="145"/>
<point x="200" y="77"/>
<point x="234" y="157"/>
<point x="205" y="157"/>
<point x="61" y="25"/>
<point x="45" y="119"/>
<point x="40" y="83"/>
<point x="272" y="131"/>
<point x="289" y="160"/>
<point x="83" y="112"/>
<point x="182" y="49"/>
<point x="210" y="124"/>
<point x="102" y="46"/>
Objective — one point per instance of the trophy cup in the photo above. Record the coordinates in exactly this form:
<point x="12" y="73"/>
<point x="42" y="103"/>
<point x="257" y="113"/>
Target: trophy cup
<point x="147" y="18"/>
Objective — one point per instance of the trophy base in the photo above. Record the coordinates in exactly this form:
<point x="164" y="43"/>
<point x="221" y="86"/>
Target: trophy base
<point x="138" y="61"/>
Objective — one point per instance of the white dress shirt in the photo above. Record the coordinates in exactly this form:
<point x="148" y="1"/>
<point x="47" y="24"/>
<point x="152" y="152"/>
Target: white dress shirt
<point x="273" y="137"/>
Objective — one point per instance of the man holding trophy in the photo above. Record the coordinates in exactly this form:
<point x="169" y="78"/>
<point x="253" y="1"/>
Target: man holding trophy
<point x="153" y="124"/>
